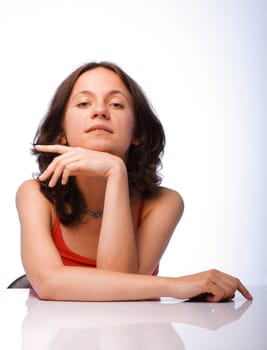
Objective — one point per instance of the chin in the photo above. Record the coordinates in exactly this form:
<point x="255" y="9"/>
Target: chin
<point x="99" y="148"/>
<point x="105" y="148"/>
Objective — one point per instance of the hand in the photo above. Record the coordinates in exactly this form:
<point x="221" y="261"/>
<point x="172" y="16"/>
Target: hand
<point x="73" y="161"/>
<point x="211" y="285"/>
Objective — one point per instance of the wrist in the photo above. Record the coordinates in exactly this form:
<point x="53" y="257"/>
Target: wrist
<point x="118" y="168"/>
<point x="173" y="287"/>
<point x="164" y="286"/>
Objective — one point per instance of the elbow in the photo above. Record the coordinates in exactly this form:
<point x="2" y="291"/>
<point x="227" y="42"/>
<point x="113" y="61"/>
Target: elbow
<point x="46" y="286"/>
<point x="43" y="290"/>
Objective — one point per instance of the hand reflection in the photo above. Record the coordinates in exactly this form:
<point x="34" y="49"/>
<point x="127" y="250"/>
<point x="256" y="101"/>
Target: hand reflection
<point x="213" y="315"/>
<point x="119" y="325"/>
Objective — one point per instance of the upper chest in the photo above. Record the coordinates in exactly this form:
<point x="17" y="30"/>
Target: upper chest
<point x="82" y="238"/>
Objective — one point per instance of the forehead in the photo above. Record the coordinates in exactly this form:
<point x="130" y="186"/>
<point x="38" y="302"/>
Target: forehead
<point x="99" y="79"/>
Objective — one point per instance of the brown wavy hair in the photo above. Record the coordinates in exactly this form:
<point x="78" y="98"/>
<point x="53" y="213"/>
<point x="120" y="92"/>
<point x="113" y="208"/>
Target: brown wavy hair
<point x="143" y="161"/>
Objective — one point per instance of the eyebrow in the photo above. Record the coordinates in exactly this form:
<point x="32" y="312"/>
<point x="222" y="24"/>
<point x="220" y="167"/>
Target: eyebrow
<point x="110" y="93"/>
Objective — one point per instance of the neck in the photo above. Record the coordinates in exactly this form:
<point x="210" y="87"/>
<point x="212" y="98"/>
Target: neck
<point x="93" y="191"/>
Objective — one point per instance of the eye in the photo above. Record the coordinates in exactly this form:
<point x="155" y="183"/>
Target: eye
<point x="83" y="104"/>
<point x="116" y="105"/>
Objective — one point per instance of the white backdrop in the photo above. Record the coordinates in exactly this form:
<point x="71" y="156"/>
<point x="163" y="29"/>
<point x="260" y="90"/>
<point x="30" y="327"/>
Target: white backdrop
<point x="202" y="64"/>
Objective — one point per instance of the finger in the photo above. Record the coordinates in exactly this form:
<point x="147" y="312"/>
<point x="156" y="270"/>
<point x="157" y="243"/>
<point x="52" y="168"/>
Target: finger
<point x="231" y="285"/>
<point x="244" y="291"/>
<point x="214" y="298"/>
<point x="52" y="148"/>
<point x="56" y="175"/>
<point x="218" y="286"/>
<point x="215" y="285"/>
<point x="50" y="170"/>
<point x="214" y="293"/>
<point x="64" y="169"/>
<point x="228" y="285"/>
<point x="56" y="168"/>
<point x="70" y="169"/>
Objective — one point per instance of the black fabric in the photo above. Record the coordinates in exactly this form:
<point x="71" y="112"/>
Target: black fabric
<point x="20" y="282"/>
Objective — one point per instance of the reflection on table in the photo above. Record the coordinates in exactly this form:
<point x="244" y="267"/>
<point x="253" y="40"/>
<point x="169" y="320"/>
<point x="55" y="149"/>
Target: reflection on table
<point x="29" y="323"/>
<point x="120" y="325"/>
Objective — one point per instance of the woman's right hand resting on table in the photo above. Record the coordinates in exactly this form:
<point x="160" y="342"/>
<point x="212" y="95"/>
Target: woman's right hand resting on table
<point x="212" y="285"/>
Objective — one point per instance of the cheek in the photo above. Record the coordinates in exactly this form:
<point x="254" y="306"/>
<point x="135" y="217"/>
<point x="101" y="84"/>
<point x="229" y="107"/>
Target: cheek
<point x="129" y="133"/>
<point x="72" y="132"/>
<point x="130" y="126"/>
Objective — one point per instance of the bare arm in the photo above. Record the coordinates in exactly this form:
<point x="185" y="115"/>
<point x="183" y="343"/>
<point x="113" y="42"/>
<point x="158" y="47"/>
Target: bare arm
<point x="117" y="249"/>
<point x="120" y="248"/>
<point x="52" y="280"/>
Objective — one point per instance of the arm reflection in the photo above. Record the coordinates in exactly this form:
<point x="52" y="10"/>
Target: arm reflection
<point x="119" y="325"/>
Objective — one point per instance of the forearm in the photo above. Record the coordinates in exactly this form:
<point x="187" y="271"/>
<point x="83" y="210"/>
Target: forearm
<point x="88" y="284"/>
<point x="117" y="245"/>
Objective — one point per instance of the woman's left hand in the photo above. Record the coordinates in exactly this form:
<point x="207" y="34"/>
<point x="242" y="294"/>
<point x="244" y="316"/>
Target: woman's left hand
<point x="73" y="161"/>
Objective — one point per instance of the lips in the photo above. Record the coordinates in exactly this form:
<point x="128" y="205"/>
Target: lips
<point x="99" y="127"/>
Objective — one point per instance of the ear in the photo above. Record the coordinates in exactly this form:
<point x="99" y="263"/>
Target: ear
<point x="135" y="141"/>
<point x="63" y="140"/>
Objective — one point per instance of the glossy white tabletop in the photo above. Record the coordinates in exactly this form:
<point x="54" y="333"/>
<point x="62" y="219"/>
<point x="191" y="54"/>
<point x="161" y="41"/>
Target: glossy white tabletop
<point x="28" y="323"/>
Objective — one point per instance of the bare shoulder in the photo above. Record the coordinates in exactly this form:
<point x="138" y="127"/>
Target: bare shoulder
<point x="170" y="194"/>
<point x="170" y="197"/>
<point x="167" y="200"/>
<point x="29" y="196"/>
<point x="29" y="188"/>
<point x="28" y="184"/>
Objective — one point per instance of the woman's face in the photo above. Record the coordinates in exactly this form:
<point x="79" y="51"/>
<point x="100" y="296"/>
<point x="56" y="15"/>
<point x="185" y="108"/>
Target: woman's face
<point x="99" y="114"/>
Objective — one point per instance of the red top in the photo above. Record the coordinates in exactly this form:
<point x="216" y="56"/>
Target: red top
<point x="69" y="257"/>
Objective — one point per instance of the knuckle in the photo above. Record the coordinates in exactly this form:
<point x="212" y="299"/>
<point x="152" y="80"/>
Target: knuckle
<point x="68" y="166"/>
<point x="56" y="161"/>
<point x="208" y="282"/>
<point x="212" y="273"/>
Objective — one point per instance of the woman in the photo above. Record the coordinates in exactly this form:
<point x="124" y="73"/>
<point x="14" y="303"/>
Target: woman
<point x="96" y="222"/>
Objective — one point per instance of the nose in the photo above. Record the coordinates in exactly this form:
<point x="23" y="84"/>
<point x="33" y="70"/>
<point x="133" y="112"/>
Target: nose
<point x="99" y="111"/>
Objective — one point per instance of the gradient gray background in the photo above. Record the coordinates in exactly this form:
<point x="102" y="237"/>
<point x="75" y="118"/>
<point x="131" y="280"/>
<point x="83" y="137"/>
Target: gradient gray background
<point x="202" y="64"/>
